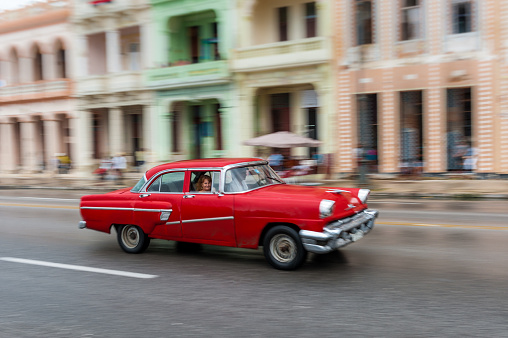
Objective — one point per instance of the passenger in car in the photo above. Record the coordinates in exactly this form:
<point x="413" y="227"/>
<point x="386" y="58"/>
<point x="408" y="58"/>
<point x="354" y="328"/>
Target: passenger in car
<point x="204" y="184"/>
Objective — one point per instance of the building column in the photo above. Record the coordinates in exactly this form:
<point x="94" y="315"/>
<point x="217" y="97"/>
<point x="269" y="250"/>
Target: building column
<point x="484" y="135"/>
<point x="114" y="61"/>
<point x="149" y="134"/>
<point x="4" y="73"/>
<point x="326" y="117"/>
<point x="116" y="131"/>
<point x="297" y="120"/>
<point x="161" y="115"/>
<point x="77" y="60"/>
<point x="162" y="46"/>
<point x="6" y="147"/>
<point x="246" y="25"/>
<point x="296" y="30"/>
<point x="434" y="137"/>
<point x="29" y="155"/>
<point x="10" y="147"/>
<point x="224" y="117"/>
<point x="50" y="125"/>
<point x="48" y="66"/>
<point x="242" y="123"/>
<point x="146" y="45"/>
<point x="388" y="134"/>
<point x="82" y="126"/>
<point x="345" y="102"/>
<point x="25" y="70"/>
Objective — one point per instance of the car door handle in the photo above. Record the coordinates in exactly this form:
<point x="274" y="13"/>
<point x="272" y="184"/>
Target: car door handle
<point x="188" y="196"/>
<point x="144" y="195"/>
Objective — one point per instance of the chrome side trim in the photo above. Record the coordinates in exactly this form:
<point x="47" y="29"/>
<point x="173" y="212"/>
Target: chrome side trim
<point x="171" y="223"/>
<point x="128" y="209"/>
<point x="337" y="191"/>
<point x="208" y="219"/>
<point x="153" y="210"/>
<point x="106" y="208"/>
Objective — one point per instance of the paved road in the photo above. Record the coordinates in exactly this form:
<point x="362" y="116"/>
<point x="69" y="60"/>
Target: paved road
<point x="429" y="269"/>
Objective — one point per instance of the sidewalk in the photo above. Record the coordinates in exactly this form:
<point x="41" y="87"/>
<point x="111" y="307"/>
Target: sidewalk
<point x="451" y="188"/>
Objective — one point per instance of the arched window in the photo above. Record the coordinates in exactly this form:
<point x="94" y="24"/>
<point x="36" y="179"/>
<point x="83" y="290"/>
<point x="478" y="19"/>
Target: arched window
<point x="61" y="64"/>
<point x="14" y="67"/>
<point x="37" y="64"/>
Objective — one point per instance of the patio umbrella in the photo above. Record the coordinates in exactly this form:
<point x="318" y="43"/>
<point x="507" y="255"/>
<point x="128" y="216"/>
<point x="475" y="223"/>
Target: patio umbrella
<point x="282" y="139"/>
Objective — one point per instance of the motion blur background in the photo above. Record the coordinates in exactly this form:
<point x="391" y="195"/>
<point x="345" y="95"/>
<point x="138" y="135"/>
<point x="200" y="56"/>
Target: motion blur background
<point x="411" y="88"/>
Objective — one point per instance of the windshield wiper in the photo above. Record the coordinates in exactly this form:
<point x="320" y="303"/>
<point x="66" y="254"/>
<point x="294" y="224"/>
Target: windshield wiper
<point x="276" y="179"/>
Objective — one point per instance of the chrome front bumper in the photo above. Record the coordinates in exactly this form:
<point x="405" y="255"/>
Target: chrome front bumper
<point x="82" y="225"/>
<point x="339" y="233"/>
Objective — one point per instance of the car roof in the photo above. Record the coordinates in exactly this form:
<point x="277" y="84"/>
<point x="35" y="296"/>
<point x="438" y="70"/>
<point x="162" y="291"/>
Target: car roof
<point x="201" y="163"/>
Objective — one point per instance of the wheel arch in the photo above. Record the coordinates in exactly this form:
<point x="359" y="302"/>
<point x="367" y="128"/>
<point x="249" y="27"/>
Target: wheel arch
<point x="274" y="224"/>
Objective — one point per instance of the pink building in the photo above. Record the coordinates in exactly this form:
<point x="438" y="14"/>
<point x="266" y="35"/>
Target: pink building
<point x="420" y="84"/>
<point x="36" y="105"/>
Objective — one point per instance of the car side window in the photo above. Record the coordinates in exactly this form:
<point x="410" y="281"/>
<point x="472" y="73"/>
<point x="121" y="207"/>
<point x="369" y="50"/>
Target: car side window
<point x="169" y="182"/>
<point x="205" y="181"/>
<point x="155" y="186"/>
<point x="236" y="180"/>
<point x="172" y="182"/>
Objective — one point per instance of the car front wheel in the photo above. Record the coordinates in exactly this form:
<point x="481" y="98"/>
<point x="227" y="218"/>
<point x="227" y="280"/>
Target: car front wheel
<point x="132" y="239"/>
<point x="283" y="248"/>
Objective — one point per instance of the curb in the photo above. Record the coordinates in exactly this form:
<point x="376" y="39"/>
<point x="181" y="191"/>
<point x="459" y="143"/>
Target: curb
<point x="374" y="194"/>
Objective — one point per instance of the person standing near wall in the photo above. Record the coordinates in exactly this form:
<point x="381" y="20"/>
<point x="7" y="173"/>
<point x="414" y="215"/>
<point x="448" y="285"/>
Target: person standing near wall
<point x="119" y="165"/>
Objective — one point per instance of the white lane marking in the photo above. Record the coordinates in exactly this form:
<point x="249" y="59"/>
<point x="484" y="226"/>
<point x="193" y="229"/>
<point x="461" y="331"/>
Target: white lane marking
<point x="78" y="268"/>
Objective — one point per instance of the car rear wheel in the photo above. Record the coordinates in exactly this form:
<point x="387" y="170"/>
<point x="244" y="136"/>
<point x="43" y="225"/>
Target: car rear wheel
<point x="132" y="239"/>
<point x="283" y="248"/>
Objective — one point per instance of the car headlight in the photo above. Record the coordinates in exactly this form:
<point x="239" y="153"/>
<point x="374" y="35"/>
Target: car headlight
<point x="326" y="208"/>
<point x="363" y="195"/>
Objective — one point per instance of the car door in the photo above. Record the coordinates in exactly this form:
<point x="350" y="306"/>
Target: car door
<point x="157" y="209"/>
<point x="208" y="216"/>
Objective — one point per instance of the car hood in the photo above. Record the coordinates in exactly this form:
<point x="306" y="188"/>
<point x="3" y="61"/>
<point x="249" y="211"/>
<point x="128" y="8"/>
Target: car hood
<point x="346" y="199"/>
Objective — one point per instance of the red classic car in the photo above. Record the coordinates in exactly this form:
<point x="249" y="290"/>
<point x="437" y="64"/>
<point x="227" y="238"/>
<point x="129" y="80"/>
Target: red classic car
<point x="237" y="202"/>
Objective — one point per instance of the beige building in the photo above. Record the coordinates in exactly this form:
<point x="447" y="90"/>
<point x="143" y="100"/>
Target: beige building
<point x="37" y="118"/>
<point x="283" y="71"/>
<point x="422" y="84"/>
<point x="113" y="105"/>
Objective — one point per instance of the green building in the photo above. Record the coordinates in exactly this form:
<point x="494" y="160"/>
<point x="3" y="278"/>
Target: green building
<point x="191" y="81"/>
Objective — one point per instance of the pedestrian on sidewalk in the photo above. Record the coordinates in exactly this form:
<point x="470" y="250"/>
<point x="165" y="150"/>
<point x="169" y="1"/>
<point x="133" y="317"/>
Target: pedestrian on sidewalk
<point x="470" y="158"/>
<point x="139" y="159"/>
<point x="104" y="168"/>
<point x="360" y="155"/>
<point x="119" y="165"/>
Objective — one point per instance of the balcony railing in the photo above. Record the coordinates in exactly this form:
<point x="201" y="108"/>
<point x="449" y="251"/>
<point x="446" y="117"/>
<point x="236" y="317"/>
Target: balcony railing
<point x="41" y="90"/>
<point x="283" y="54"/>
<point x="110" y="83"/>
<point x="187" y="75"/>
<point x="87" y="9"/>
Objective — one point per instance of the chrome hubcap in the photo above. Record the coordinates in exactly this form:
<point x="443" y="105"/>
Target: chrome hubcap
<point x="130" y="236"/>
<point x="283" y="248"/>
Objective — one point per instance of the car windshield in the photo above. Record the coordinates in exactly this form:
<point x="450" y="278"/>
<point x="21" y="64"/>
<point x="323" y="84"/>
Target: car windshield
<point x="250" y="177"/>
<point x="138" y="185"/>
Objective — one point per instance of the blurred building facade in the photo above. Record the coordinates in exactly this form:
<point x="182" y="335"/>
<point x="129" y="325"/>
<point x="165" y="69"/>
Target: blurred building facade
<point x="114" y="107"/>
<point x="419" y="85"/>
<point x="37" y="109"/>
<point x="283" y="68"/>
<point x="422" y="83"/>
<point x="194" y="93"/>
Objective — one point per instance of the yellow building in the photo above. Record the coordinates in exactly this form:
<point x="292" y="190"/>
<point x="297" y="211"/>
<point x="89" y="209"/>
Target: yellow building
<point x="283" y="70"/>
